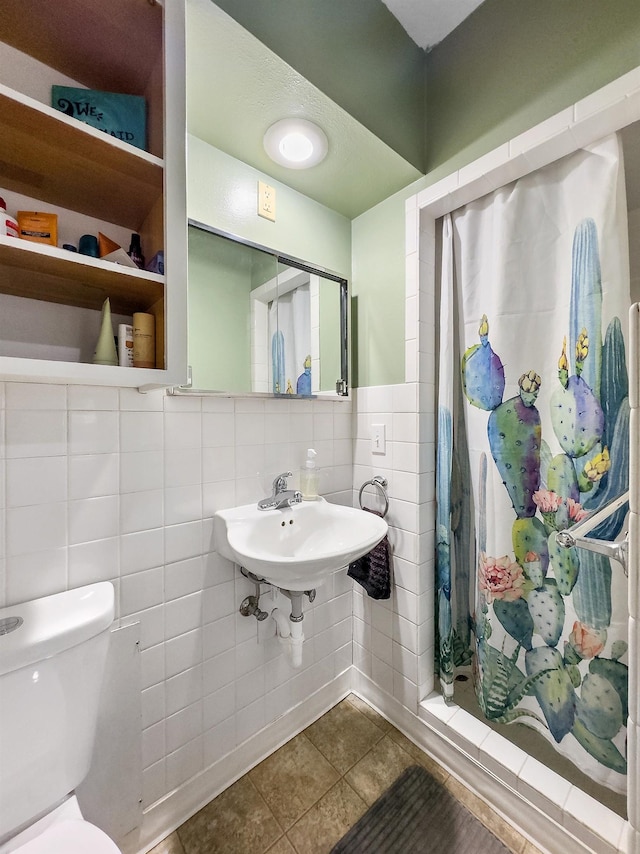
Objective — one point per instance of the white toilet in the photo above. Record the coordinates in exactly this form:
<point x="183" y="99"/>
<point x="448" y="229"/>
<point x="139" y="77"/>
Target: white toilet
<point x="52" y="656"/>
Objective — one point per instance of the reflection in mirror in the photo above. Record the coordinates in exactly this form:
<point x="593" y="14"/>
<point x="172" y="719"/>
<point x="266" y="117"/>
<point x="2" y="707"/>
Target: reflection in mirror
<point x="263" y="323"/>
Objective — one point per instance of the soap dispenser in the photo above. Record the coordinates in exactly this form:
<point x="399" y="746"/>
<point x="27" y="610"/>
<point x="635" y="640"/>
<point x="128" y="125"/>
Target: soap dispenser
<point x="309" y="477"/>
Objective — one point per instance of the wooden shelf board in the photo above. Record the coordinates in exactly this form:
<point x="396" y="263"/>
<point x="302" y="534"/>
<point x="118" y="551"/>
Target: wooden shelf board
<point x="110" y="46"/>
<point x="57" y="159"/>
<point x="44" y="370"/>
<point x="39" y="271"/>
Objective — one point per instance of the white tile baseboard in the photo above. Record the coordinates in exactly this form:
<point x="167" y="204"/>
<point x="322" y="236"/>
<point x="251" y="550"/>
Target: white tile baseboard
<point x="429" y="731"/>
<point x="174" y="809"/>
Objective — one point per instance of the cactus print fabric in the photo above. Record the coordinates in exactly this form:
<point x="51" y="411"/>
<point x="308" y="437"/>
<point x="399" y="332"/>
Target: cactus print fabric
<point x="535" y="421"/>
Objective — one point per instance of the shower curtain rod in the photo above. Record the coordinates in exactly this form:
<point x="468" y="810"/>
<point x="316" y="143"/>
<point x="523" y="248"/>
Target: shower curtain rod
<point x="574" y="536"/>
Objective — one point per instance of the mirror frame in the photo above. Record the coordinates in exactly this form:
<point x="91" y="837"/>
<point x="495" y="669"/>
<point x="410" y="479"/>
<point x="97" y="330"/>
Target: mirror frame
<point x="342" y="384"/>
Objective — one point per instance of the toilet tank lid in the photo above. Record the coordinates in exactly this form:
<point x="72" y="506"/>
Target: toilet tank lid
<point x="52" y="624"/>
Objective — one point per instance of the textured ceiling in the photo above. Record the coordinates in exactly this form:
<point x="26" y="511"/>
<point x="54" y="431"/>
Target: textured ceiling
<point x="429" y="21"/>
<point x="237" y="88"/>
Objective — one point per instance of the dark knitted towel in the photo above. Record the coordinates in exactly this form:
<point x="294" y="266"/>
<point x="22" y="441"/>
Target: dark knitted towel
<point x="373" y="570"/>
<point x="417" y="815"/>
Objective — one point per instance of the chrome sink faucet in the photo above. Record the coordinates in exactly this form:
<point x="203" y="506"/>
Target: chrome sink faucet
<point x="281" y="497"/>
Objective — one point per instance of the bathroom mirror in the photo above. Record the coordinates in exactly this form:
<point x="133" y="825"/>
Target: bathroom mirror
<point x="263" y="323"/>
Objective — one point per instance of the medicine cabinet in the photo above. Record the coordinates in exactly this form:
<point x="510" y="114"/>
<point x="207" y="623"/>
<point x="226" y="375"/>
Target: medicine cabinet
<point x="50" y="298"/>
<point x="263" y="323"/>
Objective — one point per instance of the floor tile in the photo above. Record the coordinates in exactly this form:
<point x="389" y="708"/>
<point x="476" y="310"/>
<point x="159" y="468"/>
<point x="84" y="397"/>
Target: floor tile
<point x="343" y="735"/>
<point x="282" y="846"/>
<point x="170" y="845"/>
<point x="369" y="713"/>
<point x="293" y="778"/>
<point x="303" y="798"/>
<point x="419" y="755"/>
<point x="237" y="821"/>
<point x="491" y="820"/>
<point x="327" y="821"/>
<point x="378" y="769"/>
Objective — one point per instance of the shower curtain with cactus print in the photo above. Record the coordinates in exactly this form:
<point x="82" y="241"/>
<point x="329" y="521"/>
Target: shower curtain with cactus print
<point x="533" y="421"/>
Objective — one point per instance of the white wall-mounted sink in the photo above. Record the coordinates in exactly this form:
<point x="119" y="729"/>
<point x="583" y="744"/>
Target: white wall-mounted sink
<point x="296" y="548"/>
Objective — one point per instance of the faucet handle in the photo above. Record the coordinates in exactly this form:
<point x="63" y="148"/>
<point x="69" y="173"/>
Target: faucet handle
<point x="280" y="482"/>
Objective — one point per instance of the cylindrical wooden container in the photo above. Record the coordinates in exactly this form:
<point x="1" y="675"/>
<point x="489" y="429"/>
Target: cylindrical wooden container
<point x="144" y="340"/>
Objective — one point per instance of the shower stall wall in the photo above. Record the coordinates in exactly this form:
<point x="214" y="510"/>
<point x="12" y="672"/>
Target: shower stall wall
<point x="549" y="808"/>
<point x="541" y="440"/>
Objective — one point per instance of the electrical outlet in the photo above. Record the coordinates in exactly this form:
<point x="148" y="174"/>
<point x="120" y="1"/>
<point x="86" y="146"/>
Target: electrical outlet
<point x="378" y="439"/>
<point x="266" y="201"/>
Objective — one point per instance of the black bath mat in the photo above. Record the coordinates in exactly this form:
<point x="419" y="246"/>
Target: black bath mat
<point x="417" y="815"/>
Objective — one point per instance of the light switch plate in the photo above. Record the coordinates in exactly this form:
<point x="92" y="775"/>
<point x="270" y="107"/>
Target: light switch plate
<point x="378" y="439"/>
<point x="266" y="201"/>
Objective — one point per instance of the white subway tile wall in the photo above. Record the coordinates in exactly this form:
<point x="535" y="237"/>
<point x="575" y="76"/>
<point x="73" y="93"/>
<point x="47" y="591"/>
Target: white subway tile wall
<point x="393" y="639"/>
<point x="109" y="484"/>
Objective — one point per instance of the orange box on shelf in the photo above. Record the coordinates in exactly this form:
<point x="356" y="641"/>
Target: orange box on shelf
<point x="38" y="227"/>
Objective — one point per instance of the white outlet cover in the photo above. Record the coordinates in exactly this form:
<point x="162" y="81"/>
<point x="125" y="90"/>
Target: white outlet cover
<point x="378" y="439"/>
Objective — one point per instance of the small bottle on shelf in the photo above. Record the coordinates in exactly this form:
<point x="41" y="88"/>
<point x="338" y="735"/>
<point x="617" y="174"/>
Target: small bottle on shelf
<point x="144" y="341"/>
<point x="135" y="251"/>
<point x="125" y="345"/>
<point x="8" y="224"/>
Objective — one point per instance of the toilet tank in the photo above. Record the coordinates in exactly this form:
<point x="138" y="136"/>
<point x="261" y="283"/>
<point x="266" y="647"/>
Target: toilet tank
<point x="52" y="656"/>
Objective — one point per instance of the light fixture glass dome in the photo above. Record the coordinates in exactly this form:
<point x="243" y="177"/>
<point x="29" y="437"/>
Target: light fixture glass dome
<point x="296" y="143"/>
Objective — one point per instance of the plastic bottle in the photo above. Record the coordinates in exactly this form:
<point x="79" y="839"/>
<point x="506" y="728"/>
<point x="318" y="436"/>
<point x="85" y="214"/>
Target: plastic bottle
<point x="135" y="251"/>
<point x="309" y="477"/>
<point x="8" y="225"/>
<point x="125" y="345"/>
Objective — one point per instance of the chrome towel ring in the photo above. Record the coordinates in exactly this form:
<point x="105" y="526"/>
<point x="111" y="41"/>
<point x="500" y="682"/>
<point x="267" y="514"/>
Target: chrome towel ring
<point x="380" y="484"/>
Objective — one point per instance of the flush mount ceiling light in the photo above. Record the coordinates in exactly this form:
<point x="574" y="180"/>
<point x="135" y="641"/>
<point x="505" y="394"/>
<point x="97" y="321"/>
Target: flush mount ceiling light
<point x="296" y="143"/>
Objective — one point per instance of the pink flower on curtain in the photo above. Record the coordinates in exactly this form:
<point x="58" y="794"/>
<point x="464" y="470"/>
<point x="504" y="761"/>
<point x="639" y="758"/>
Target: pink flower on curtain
<point x="587" y="641"/>
<point x="546" y="500"/>
<point x="576" y="513"/>
<point x="500" y="578"/>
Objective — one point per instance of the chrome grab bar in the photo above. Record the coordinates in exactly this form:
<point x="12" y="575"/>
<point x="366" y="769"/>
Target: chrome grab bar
<point x="574" y="536"/>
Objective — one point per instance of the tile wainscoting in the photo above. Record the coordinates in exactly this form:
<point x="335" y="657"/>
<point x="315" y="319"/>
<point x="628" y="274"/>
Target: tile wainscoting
<point x="109" y="484"/>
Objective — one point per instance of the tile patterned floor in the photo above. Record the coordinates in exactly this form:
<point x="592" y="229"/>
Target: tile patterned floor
<point x="304" y="797"/>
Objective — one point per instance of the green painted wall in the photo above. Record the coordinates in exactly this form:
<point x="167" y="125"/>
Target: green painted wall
<point x="378" y="287"/>
<point x="221" y="273"/>
<point x="222" y="193"/>
<point x="355" y="52"/>
<point x="513" y="63"/>
<point x="510" y="65"/>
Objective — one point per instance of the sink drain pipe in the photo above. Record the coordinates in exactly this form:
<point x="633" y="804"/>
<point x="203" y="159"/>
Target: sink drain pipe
<point x="282" y="623"/>
<point x="295" y="620"/>
<point x="290" y="630"/>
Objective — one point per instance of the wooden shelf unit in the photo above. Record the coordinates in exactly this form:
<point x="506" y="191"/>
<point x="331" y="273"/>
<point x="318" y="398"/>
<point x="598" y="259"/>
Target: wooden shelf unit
<point x="110" y="45"/>
<point x="52" y="159"/>
<point x="64" y="162"/>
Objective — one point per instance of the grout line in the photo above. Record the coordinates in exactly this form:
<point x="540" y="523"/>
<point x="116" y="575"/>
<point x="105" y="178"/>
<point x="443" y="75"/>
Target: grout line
<point x="266" y="805"/>
<point x="450" y="783"/>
